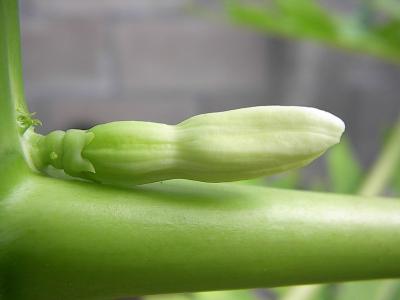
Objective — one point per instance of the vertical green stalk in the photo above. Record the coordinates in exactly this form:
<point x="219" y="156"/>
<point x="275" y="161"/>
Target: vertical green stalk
<point x="12" y="162"/>
<point x="7" y="120"/>
<point x="11" y="84"/>
<point x="12" y="35"/>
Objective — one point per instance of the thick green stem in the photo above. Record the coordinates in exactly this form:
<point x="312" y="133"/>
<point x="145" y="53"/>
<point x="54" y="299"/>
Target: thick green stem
<point x="72" y="240"/>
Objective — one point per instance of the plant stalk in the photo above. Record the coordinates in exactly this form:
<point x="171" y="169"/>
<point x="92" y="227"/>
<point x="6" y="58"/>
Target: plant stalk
<point x="10" y="25"/>
<point x="11" y="89"/>
<point x="76" y="240"/>
<point x="8" y="131"/>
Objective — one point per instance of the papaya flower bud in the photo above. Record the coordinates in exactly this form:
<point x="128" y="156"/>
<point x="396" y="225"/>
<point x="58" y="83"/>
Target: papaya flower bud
<point x="215" y="147"/>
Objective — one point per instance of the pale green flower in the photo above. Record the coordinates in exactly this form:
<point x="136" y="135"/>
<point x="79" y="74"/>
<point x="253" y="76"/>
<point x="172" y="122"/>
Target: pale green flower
<point x="215" y="147"/>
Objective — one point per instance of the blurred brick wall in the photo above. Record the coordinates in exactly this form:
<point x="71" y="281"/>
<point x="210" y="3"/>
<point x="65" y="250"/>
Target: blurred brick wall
<point x="92" y="61"/>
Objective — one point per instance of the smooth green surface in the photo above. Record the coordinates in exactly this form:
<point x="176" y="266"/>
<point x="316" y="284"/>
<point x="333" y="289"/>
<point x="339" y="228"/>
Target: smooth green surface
<point x="73" y="240"/>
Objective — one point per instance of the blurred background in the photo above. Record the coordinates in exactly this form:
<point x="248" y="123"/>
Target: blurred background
<point x="95" y="61"/>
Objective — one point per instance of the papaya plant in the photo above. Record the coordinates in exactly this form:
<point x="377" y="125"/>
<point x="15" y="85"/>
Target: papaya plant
<point x="92" y="233"/>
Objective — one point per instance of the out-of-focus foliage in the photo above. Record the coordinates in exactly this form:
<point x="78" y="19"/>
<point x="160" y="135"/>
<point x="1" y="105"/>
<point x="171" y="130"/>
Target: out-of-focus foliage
<point x="288" y="180"/>
<point x="226" y="295"/>
<point x="396" y="177"/>
<point x="310" y="292"/>
<point x="369" y="290"/>
<point x="218" y="295"/>
<point x="396" y="182"/>
<point x="344" y="170"/>
<point x="169" y="297"/>
<point x="373" y="27"/>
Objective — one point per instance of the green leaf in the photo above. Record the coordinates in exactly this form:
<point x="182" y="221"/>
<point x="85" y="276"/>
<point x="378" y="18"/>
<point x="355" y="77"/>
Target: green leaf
<point x="309" y="292"/>
<point x="169" y="297"/>
<point x="298" y="18"/>
<point x="384" y="168"/>
<point x="387" y="7"/>
<point x="288" y="180"/>
<point x="388" y="136"/>
<point x="307" y="19"/>
<point x="344" y="170"/>
<point x="256" y="181"/>
<point x="226" y="295"/>
<point x="369" y="290"/>
<point x="396" y="181"/>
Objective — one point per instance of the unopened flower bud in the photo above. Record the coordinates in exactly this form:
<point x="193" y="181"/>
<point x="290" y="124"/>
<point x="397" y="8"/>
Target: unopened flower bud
<point x="215" y="147"/>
